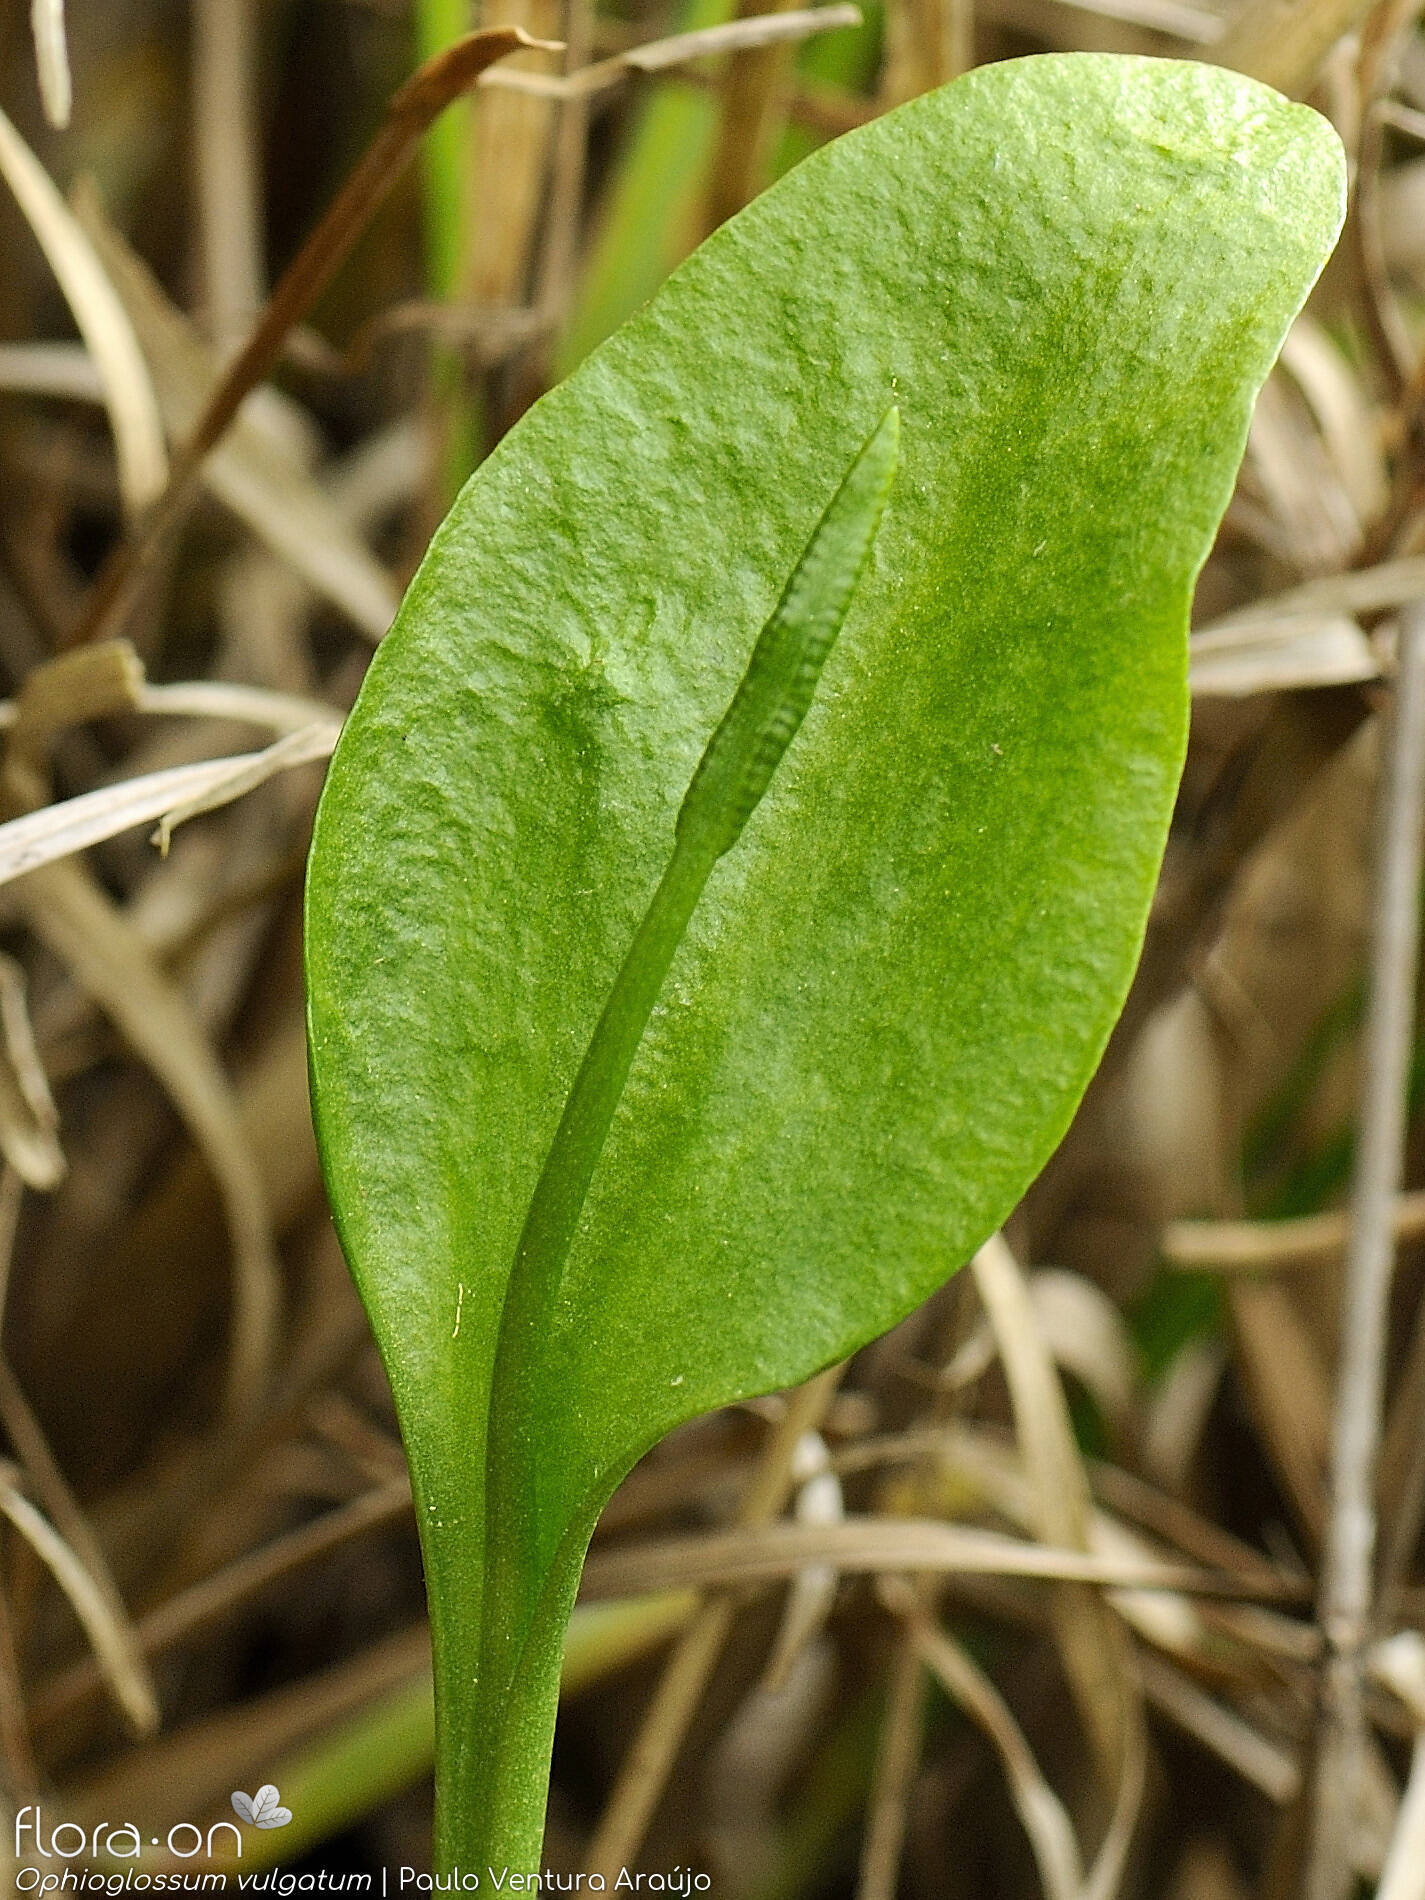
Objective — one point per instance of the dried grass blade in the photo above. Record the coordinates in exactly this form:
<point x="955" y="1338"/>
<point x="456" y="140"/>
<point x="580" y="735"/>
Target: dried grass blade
<point x="927" y="43"/>
<point x="50" y="369"/>
<point x="762" y="29"/>
<point x="1092" y="1644"/>
<point x="753" y="95"/>
<point x="16" y="1752"/>
<point x="560" y="243"/>
<point x="644" y="1772"/>
<point x="97" y="684"/>
<point x="678" y="49"/>
<point x="29" y="1120"/>
<point x="1307" y="507"/>
<point x="1348" y="1581"/>
<point x="897" y="1759"/>
<point x="68" y="911"/>
<point x="1085" y="1333"/>
<point x="1287" y="1390"/>
<point x="22" y="1776"/>
<point x="1195" y="25"/>
<point x="102" y="321"/>
<point x="127" y="1677"/>
<point x="1283" y="655"/>
<point x="284" y="713"/>
<point x="1041" y="1416"/>
<point x="1403" y="1876"/>
<point x="1399" y="1664"/>
<point x="512" y="139"/>
<point x="988" y="1466"/>
<point x="50" y="1485"/>
<point x="1257" y="1759"/>
<point x="982" y="1456"/>
<point x="1285" y="41"/>
<point x="256" y="471"/>
<point x="294" y="748"/>
<point x="52" y="60"/>
<point x="868" y="1545"/>
<point x="809" y="1602"/>
<point x="1359" y="591"/>
<point x="1041" y="1813"/>
<point x="1267" y="1246"/>
<point x="184" y="1772"/>
<point x="59" y="831"/>
<point x="1110" y="1864"/>
<point x="217" y="699"/>
<point x="226" y="1591"/>
<point x="228" y="143"/>
<point x="411" y="111"/>
<point x="12" y="1193"/>
<point x="1177" y="1414"/>
<point x="263" y="602"/>
<point x="1350" y="429"/>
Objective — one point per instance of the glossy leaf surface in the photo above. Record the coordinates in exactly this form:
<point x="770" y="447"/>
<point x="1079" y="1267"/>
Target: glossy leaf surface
<point x="1071" y="275"/>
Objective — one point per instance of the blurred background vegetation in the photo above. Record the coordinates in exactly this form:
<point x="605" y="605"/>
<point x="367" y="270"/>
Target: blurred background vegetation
<point x="210" y="1575"/>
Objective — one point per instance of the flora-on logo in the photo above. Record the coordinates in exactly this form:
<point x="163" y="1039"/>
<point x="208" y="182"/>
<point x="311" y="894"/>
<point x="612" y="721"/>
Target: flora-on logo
<point x="263" y="1809"/>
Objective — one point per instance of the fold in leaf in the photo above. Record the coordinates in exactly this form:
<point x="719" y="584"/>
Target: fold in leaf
<point x="731" y="780"/>
<point x="1070" y="274"/>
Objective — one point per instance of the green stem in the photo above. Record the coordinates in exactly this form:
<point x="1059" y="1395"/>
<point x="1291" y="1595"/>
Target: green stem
<point x="445" y="189"/>
<point x="498" y="1806"/>
<point x="439" y="23"/>
<point x="554" y="1211"/>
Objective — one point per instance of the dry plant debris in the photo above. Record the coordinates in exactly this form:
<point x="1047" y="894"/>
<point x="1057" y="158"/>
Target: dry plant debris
<point x="1022" y="1601"/>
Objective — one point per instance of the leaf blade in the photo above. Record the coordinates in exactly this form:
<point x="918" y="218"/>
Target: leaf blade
<point x="891" y="997"/>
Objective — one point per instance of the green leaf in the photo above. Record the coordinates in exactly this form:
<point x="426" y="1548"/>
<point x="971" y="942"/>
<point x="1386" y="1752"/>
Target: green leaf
<point x="1070" y="274"/>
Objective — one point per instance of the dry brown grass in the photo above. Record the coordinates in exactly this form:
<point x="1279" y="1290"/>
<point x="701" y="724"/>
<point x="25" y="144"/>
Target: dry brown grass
<point x="1044" y="1622"/>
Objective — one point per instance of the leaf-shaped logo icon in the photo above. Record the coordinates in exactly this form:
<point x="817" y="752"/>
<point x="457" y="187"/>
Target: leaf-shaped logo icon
<point x="263" y="1809"/>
